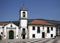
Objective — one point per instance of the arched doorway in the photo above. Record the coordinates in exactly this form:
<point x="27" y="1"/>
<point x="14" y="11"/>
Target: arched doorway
<point x="0" y="37"/>
<point x="23" y="33"/>
<point x="11" y="34"/>
<point x="43" y="34"/>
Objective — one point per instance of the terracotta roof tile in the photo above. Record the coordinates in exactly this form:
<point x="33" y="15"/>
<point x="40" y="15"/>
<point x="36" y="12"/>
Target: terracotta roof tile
<point x="40" y="22"/>
<point x="3" y="23"/>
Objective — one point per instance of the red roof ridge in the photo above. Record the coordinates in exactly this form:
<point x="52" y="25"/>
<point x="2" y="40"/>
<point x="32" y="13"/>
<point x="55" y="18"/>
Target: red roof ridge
<point x="40" y="22"/>
<point x="3" y="23"/>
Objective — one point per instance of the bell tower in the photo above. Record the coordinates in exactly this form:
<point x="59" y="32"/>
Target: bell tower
<point x="23" y="22"/>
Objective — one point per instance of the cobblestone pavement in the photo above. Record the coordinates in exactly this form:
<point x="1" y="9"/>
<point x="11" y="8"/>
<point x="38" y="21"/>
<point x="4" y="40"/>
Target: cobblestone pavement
<point x="56" y="40"/>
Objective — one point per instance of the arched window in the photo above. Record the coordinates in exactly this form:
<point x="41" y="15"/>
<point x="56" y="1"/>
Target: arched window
<point x="23" y="14"/>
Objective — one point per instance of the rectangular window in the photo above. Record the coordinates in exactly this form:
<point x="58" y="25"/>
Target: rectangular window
<point x="51" y="35"/>
<point x="52" y="28"/>
<point x="33" y="35"/>
<point x="38" y="29"/>
<point x="33" y="28"/>
<point x="48" y="31"/>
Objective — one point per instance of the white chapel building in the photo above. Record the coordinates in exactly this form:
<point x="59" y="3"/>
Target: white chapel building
<point x="27" y="28"/>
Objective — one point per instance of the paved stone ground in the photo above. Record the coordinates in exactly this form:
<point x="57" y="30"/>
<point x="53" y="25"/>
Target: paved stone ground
<point x="56" y="40"/>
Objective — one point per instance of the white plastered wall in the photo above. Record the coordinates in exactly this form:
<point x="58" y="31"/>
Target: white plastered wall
<point x="8" y="27"/>
<point x="42" y="29"/>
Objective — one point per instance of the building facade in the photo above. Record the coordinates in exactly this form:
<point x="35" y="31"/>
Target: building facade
<point x="28" y="29"/>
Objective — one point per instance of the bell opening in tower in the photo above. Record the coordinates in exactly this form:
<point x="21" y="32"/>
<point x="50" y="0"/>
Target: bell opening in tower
<point x="23" y="14"/>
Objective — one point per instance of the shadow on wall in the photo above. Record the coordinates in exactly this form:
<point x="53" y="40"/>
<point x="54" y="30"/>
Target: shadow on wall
<point x="0" y="37"/>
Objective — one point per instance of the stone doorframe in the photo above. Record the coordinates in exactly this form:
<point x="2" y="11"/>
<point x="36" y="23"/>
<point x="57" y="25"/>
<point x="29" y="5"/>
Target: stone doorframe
<point x="14" y="30"/>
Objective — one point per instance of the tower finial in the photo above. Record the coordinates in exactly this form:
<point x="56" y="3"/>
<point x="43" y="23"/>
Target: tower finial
<point x="23" y="8"/>
<point x="23" y="3"/>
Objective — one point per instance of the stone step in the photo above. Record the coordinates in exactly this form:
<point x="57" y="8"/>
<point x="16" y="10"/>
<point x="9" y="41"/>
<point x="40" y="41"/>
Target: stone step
<point x="45" y="40"/>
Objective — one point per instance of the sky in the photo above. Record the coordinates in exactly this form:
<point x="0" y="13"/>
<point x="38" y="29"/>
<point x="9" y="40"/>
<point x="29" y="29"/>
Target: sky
<point x="37" y="9"/>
